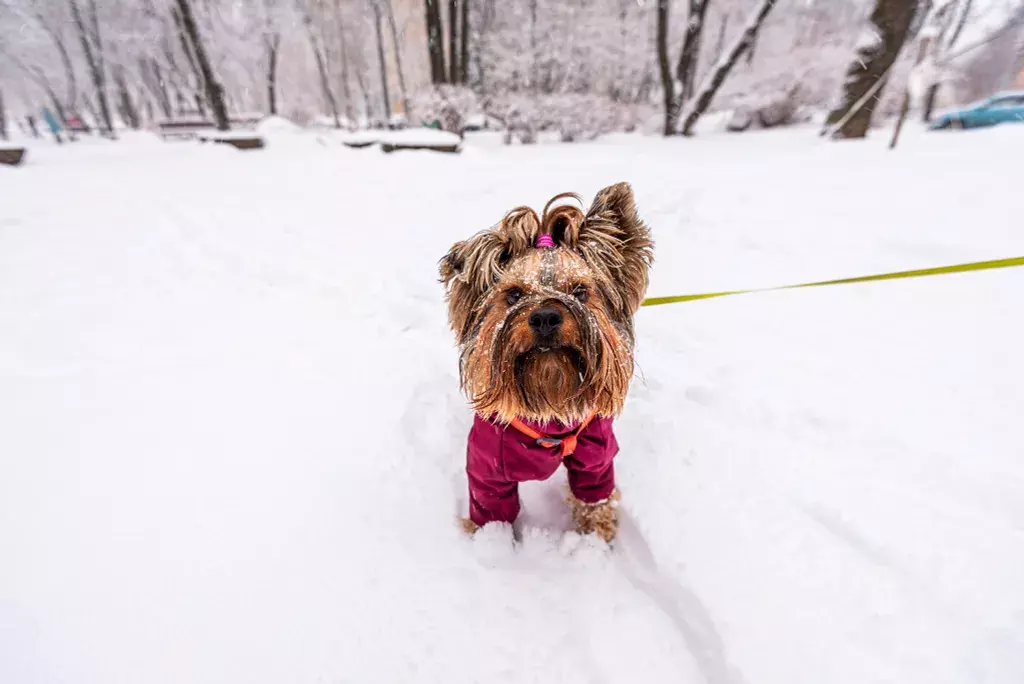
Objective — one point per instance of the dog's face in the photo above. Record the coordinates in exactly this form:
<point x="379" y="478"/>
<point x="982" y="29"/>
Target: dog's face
<point x="547" y="332"/>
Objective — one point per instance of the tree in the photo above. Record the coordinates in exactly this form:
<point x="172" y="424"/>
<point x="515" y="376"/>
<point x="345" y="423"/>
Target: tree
<point x="946" y="46"/>
<point x="876" y="52"/>
<point x="934" y="25"/>
<point x="922" y="51"/>
<point x="346" y="89"/>
<point x="272" y="42"/>
<point x="3" y="118"/>
<point x="270" y="34"/>
<point x="453" y="41"/>
<point x="667" y="84"/>
<point x="435" y="42"/>
<point x="397" y="43"/>
<point x="678" y="91"/>
<point x="54" y="29"/>
<point x="464" y="38"/>
<point x="211" y="86"/>
<point x="321" y="66"/>
<point x="125" y="103"/>
<point x="702" y="100"/>
<point x="89" y="38"/>
<point x="383" y="62"/>
<point x="38" y="76"/>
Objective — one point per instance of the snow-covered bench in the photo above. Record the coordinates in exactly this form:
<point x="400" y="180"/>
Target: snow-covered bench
<point x="191" y="127"/>
<point x="11" y="155"/>
<point x="420" y="139"/>
<point x="183" y="128"/>
<point x="238" y="140"/>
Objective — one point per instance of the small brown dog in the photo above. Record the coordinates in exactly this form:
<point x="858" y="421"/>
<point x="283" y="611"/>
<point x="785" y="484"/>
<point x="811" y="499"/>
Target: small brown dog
<point x="542" y="308"/>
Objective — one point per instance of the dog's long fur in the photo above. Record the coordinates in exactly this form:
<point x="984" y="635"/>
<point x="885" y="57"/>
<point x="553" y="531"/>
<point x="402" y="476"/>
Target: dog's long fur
<point x="595" y="277"/>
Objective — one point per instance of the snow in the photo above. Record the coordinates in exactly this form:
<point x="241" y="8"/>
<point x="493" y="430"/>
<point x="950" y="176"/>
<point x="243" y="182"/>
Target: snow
<point x="420" y="136"/>
<point x="231" y="434"/>
<point x="277" y="125"/>
<point x="868" y="40"/>
<point x="367" y="137"/>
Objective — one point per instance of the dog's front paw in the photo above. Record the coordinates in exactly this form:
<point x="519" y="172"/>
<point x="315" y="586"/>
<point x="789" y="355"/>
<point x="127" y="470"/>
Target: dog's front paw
<point x="600" y="517"/>
<point x="468" y="526"/>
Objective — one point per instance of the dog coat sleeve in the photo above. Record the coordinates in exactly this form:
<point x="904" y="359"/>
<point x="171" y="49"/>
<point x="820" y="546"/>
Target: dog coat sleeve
<point x="493" y="496"/>
<point x="591" y="471"/>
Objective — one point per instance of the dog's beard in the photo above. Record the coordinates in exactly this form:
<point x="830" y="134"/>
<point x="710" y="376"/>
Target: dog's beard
<point x="549" y="379"/>
<point x="509" y="374"/>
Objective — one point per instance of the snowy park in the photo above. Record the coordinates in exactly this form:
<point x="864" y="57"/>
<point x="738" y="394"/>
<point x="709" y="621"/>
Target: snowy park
<point x="236" y="239"/>
<point x="232" y="440"/>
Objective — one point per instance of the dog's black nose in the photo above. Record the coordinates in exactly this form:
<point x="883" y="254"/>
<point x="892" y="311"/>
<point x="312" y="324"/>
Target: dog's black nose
<point x="545" y="322"/>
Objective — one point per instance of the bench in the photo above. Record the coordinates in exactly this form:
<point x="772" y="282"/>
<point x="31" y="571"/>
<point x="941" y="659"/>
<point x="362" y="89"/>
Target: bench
<point x="421" y="139"/>
<point x="12" y="156"/>
<point x="183" y="129"/>
<point x="240" y="141"/>
<point x="191" y="127"/>
<point x="394" y="147"/>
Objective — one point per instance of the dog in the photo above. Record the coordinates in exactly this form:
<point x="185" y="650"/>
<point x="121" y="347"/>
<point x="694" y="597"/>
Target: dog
<point x="542" y="309"/>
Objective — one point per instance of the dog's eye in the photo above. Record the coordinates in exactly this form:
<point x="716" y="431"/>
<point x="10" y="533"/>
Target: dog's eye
<point x="580" y="293"/>
<point x="513" y="295"/>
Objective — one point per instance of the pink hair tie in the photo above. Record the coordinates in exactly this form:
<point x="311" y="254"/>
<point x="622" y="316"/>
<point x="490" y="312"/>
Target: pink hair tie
<point x="544" y="240"/>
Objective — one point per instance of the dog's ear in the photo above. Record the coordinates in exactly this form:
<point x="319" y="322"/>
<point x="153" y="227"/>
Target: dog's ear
<point x="452" y="263"/>
<point x="473" y="266"/>
<point x="617" y="243"/>
<point x="479" y="261"/>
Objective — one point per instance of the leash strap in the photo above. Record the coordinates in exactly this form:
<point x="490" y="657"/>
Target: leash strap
<point x="938" y="270"/>
<point x="567" y="443"/>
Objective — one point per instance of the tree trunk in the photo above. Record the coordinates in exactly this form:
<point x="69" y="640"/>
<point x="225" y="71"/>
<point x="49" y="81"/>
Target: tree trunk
<point x="378" y="30"/>
<point x="128" y="110"/>
<point x="702" y="100"/>
<point x="534" y="71"/>
<point x="464" y="39"/>
<point x="922" y="51"/>
<point x="964" y="16"/>
<point x="396" y="42"/>
<point x="3" y="118"/>
<point x="359" y="71"/>
<point x="190" y="57"/>
<point x="866" y="75"/>
<point x="273" y="43"/>
<point x="435" y="42"/>
<point x="750" y="52"/>
<point x="453" y="41"/>
<point x="667" y="84"/>
<point x="92" y="49"/>
<point x="720" y="40"/>
<point x="929" y="102"/>
<point x="153" y="79"/>
<point x="346" y="89"/>
<point x="686" y="69"/>
<point x="942" y="43"/>
<point x="321" y="68"/>
<point x="211" y="86"/>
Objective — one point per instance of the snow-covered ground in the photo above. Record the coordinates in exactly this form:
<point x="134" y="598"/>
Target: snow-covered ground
<point x="231" y="436"/>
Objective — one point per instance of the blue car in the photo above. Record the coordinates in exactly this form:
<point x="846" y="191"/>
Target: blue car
<point x="1005" y="107"/>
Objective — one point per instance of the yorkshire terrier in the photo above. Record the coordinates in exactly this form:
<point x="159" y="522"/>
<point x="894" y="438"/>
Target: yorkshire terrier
<point x="542" y="308"/>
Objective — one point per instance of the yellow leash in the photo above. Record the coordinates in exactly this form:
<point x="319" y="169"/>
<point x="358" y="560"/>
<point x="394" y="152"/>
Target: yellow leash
<point x="938" y="270"/>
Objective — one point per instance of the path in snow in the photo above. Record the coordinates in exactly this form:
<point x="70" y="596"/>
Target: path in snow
<point x="231" y="437"/>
